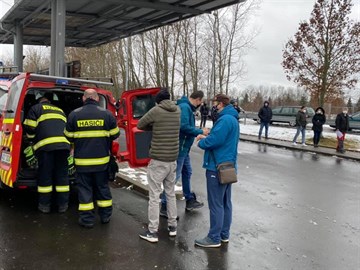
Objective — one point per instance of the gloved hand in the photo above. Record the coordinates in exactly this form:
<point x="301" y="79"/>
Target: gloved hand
<point x="30" y="158"/>
<point x="71" y="165"/>
<point x="112" y="169"/>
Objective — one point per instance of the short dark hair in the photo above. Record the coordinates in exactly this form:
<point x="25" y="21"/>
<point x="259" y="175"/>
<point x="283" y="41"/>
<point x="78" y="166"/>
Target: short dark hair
<point x="222" y="98"/>
<point x="197" y="94"/>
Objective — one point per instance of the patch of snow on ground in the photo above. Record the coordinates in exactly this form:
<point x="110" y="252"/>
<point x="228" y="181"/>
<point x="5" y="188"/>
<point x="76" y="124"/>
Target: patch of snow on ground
<point x="284" y="132"/>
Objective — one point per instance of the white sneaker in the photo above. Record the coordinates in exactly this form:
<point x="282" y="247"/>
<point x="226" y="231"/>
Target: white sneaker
<point x="294" y="143"/>
<point x="304" y="144"/>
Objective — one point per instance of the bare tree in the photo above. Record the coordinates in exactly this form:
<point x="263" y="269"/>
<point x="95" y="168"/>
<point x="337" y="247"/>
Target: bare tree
<point x="323" y="57"/>
<point x="230" y="41"/>
<point x="36" y="59"/>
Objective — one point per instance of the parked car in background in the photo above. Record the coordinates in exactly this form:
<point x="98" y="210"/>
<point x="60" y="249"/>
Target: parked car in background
<point x="287" y="114"/>
<point x="354" y="121"/>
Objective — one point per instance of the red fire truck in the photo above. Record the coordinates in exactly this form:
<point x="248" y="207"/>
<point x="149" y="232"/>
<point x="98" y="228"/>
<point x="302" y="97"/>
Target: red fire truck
<point x="67" y="93"/>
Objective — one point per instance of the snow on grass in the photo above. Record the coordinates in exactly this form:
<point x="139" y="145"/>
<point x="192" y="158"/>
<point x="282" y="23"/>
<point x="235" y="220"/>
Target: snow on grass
<point x="285" y="133"/>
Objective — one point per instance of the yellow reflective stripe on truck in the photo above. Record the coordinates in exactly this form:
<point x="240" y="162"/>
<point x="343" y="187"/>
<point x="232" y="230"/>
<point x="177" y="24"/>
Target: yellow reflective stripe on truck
<point x="8" y="121"/>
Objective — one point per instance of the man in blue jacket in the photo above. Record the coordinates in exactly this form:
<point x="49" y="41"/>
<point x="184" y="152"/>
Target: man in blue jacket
<point x="220" y="146"/>
<point x="187" y="135"/>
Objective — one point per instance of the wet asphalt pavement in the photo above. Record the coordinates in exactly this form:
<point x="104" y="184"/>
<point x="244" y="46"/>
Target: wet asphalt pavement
<point x="291" y="210"/>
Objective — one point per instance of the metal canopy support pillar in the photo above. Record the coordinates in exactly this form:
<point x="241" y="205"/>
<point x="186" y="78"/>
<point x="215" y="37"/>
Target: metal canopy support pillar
<point x="58" y="15"/>
<point x="18" y="46"/>
<point x="53" y="38"/>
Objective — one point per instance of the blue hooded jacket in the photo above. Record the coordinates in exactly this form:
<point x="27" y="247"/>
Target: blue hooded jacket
<point x="188" y="132"/>
<point x="223" y="139"/>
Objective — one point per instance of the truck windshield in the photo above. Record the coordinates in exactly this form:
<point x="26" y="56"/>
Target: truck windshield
<point x="13" y="98"/>
<point x="3" y="100"/>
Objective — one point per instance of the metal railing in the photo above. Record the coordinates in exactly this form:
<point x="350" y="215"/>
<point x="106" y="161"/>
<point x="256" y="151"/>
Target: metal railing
<point x="7" y="69"/>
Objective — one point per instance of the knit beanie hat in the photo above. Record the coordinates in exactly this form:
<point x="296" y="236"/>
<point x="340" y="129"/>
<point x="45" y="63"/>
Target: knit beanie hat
<point x="162" y="95"/>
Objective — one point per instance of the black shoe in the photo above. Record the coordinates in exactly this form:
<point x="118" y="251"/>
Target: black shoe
<point x="45" y="209"/>
<point x="105" y="220"/>
<point x="163" y="212"/>
<point x="63" y="208"/>
<point x="86" y="225"/>
<point x="193" y="204"/>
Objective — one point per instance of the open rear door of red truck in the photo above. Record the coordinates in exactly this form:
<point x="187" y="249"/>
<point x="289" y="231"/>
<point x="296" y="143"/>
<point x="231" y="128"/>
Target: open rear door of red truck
<point x="135" y="143"/>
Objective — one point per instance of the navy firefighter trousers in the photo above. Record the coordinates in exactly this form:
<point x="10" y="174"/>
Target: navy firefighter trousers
<point x="93" y="188"/>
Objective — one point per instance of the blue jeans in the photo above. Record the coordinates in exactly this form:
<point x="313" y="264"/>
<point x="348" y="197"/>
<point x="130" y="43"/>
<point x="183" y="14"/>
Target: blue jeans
<point x="298" y="130"/>
<point x="220" y="206"/>
<point x="183" y="170"/>
<point x="262" y="125"/>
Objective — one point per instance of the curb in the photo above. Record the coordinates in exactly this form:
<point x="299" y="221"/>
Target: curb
<point x="353" y="155"/>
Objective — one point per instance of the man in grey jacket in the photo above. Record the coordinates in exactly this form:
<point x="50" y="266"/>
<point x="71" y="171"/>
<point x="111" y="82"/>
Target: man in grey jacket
<point x="164" y="121"/>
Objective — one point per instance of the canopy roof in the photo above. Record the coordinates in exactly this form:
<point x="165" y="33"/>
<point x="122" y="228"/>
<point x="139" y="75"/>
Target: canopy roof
<point x="94" y="22"/>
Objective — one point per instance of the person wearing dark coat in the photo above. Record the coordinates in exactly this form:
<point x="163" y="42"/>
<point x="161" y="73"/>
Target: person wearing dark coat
<point x="342" y="126"/>
<point x="300" y="126"/>
<point x="235" y="105"/>
<point x="214" y="113"/>
<point x="318" y="121"/>
<point x="204" y="111"/>
<point x="265" y="115"/>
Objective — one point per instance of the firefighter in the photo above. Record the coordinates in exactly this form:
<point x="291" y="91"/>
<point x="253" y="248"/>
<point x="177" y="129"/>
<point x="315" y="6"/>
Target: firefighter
<point x="92" y="130"/>
<point x="44" y="127"/>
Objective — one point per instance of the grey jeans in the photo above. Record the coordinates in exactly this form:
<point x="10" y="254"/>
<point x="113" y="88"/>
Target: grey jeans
<point x="160" y="172"/>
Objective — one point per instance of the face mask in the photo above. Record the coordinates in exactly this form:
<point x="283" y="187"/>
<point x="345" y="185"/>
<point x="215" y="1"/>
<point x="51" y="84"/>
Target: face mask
<point x="319" y="112"/>
<point x="344" y="112"/>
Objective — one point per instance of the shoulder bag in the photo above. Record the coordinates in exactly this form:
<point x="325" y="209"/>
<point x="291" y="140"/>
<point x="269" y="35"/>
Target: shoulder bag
<point x="226" y="171"/>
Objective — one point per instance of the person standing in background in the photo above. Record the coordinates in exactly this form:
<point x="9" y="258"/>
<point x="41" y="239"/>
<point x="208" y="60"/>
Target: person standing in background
<point x="236" y="106"/>
<point x="342" y="126"/>
<point x="300" y="125"/>
<point x="204" y="112"/>
<point x="214" y="113"/>
<point x="318" y="121"/>
<point x="265" y="115"/>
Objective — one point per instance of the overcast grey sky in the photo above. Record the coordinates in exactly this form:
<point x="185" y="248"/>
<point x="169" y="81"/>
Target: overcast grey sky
<point x="277" y="20"/>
